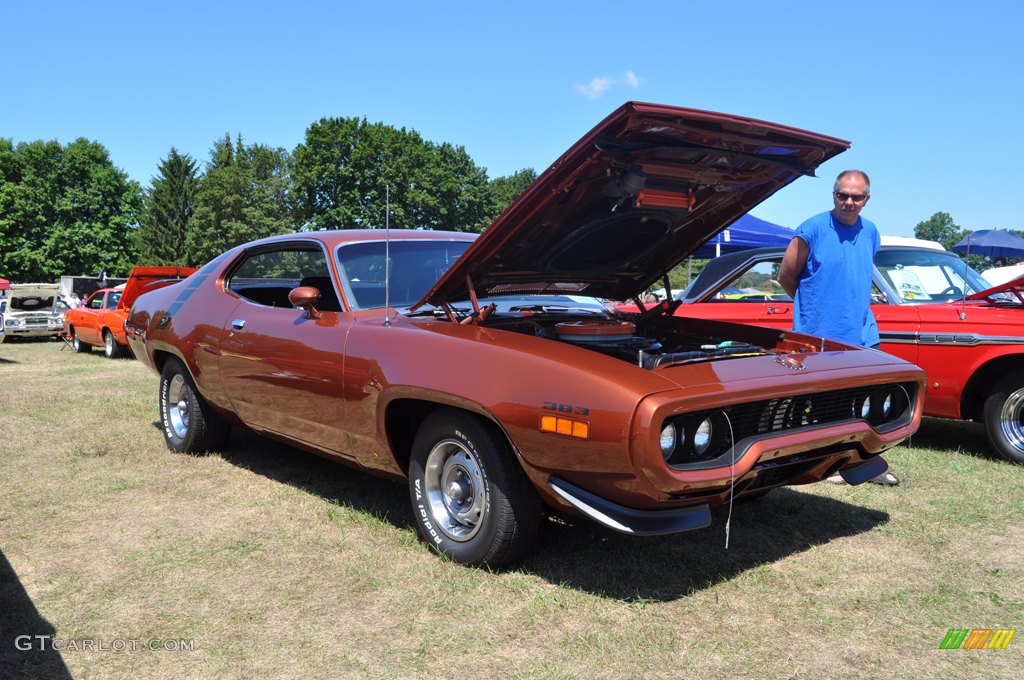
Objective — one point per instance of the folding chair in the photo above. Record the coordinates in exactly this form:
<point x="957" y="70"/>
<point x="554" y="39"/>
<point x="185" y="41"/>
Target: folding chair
<point x="66" y="339"/>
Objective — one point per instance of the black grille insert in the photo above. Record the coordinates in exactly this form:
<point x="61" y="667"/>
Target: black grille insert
<point x="885" y="407"/>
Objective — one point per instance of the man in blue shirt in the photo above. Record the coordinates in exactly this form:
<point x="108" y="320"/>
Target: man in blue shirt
<point x="827" y="271"/>
<point x="827" y="267"/>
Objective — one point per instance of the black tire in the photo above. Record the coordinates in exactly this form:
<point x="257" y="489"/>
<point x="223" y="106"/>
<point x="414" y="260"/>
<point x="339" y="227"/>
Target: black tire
<point x="111" y="349"/>
<point x="79" y="346"/>
<point x="471" y="499"/>
<point x="1004" y="417"/>
<point x="189" y="423"/>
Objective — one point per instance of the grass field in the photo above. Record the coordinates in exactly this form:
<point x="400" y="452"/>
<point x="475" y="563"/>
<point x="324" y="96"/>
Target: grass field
<point x="265" y="562"/>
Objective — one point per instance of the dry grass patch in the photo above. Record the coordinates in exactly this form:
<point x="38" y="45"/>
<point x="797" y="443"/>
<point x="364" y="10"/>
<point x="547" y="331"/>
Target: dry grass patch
<point x="280" y="564"/>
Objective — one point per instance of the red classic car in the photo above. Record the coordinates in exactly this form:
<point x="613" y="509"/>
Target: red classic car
<point x="99" y="320"/>
<point x="473" y="369"/>
<point x="932" y="309"/>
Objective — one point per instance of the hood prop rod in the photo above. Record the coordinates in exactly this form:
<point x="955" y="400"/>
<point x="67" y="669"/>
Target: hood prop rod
<point x="478" y="314"/>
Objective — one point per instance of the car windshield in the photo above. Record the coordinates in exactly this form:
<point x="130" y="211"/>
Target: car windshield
<point x="415" y="266"/>
<point x="919" y="276"/>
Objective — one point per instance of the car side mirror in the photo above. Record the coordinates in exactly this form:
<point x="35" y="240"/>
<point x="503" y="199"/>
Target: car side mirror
<point x="305" y="298"/>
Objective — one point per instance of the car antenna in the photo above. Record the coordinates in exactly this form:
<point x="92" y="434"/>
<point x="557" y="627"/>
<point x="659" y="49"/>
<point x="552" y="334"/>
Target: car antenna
<point x="387" y="255"/>
<point x="963" y="296"/>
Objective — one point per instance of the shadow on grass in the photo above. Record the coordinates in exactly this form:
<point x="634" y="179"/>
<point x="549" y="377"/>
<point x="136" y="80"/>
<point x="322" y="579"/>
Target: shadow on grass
<point x="19" y="618"/>
<point x="333" y="481"/>
<point x="590" y="558"/>
<point x="953" y="435"/>
<point x="7" y="361"/>
<point x="580" y="554"/>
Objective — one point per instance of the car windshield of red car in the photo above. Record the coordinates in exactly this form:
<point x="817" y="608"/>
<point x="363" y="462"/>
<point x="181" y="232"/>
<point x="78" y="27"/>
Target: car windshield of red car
<point x="934" y="276"/>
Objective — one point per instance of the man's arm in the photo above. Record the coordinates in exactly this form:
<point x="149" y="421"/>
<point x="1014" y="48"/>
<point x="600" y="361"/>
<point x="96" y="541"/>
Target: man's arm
<point x="792" y="264"/>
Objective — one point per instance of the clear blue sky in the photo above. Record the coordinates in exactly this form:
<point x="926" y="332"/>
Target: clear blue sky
<point x="930" y="94"/>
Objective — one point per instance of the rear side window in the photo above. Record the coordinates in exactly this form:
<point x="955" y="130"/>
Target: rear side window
<point x="267" y="276"/>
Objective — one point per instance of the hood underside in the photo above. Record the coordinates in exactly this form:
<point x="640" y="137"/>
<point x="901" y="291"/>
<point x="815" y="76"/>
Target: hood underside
<point x="630" y="200"/>
<point x="32" y="297"/>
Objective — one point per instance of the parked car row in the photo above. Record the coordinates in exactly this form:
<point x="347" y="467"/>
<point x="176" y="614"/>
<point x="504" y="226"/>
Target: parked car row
<point x="488" y="375"/>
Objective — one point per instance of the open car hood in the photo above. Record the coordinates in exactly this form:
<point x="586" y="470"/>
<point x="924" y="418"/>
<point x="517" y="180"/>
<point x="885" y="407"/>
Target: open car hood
<point x="1013" y="287"/>
<point x="144" y="279"/>
<point x="32" y="297"/>
<point x="629" y="201"/>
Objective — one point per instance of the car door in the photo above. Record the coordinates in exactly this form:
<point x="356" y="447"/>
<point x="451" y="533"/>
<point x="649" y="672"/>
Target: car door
<point x="282" y="369"/>
<point x="898" y="327"/>
<point x="87" y="326"/>
<point x="108" y="317"/>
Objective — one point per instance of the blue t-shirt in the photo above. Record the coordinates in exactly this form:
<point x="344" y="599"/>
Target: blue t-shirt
<point x="833" y="294"/>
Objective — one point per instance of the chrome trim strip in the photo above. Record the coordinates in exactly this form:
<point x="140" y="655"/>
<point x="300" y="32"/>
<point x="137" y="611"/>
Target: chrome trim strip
<point x="952" y="339"/>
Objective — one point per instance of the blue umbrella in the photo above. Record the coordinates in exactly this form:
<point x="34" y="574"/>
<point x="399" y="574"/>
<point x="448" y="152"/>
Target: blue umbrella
<point x="992" y="243"/>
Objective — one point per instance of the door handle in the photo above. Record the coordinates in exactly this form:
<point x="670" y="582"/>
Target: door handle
<point x="778" y="310"/>
<point x="238" y="324"/>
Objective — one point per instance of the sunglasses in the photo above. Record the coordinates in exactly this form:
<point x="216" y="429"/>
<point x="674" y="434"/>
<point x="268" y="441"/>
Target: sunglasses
<point x="844" y="197"/>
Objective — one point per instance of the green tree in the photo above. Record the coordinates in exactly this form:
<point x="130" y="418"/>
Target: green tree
<point x="506" y="189"/>
<point x="245" y="195"/>
<point x="346" y="169"/>
<point x="167" y="213"/>
<point x="64" y="210"/>
<point x="940" y="227"/>
<point x="452" y="193"/>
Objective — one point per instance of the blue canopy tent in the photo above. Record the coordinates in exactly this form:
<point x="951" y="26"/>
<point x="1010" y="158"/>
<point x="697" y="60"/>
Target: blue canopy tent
<point x="746" y="232"/>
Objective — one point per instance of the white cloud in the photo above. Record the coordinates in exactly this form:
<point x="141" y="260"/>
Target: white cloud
<point x="596" y="87"/>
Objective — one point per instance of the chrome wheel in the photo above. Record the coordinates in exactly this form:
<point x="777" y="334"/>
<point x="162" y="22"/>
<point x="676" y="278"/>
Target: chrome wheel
<point x="1010" y="417"/>
<point x="471" y="499"/>
<point x="190" y="425"/>
<point x="178" y="396"/>
<point x="454" y="485"/>
<point x="108" y="344"/>
<point x="1003" y="415"/>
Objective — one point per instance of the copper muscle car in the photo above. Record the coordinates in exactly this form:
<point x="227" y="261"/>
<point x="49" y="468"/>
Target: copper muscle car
<point x="483" y="372"/>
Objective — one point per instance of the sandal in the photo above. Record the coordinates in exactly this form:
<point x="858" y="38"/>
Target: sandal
<point x="885" y="479"/>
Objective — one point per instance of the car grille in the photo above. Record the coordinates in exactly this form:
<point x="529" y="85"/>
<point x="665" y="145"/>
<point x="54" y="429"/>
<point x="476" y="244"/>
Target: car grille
<point x="34" y="320"/>
<point x="754" y="420"/>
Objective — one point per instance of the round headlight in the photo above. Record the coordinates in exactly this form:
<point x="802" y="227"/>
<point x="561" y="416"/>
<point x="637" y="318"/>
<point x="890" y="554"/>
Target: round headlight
<point x="702" y="436"/>
<point x="887" y="406"/>
<point x="865" y="408"/>
<point x="668" y="440"/>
